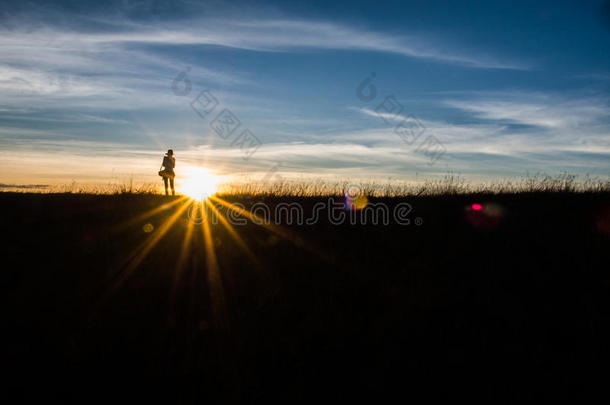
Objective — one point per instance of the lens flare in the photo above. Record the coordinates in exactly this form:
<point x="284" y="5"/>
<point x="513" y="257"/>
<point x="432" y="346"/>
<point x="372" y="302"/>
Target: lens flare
<point x="484" y="215"/>
<point x="355" y="198"/>
<point x="603" y="220"/>
<point x="356" y="203"/>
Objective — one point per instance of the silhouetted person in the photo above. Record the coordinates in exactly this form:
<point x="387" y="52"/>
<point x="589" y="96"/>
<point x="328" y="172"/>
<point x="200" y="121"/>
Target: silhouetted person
<point x="169" y="162"/>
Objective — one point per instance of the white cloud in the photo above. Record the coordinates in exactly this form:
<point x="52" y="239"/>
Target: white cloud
<point x="574" y="126"/>
<point x="258" y="35"/>
<point x="544" y="111"/>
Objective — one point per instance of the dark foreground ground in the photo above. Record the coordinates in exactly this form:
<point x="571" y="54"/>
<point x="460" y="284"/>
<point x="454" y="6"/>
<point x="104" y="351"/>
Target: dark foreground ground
<point x="507" y="303"/>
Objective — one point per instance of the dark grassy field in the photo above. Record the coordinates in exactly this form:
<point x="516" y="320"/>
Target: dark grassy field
<point x="511" y="306"/>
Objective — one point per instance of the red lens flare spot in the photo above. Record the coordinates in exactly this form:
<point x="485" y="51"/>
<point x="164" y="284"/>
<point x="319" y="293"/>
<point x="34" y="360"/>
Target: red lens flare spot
<point x="477" y="207"/>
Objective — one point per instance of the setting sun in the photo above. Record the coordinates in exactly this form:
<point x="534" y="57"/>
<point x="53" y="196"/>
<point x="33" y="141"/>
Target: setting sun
<point x="198" y="183"/>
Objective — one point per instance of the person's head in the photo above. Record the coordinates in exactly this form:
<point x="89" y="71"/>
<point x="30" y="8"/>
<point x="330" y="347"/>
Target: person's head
<point x="170" y="152"/>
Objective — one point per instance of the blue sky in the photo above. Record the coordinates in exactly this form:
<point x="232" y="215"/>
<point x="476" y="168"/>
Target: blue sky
<point x="502" y="88"/>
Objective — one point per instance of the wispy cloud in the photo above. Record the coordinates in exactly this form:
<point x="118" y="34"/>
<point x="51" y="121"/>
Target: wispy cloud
<point x="276" y="35"/>
<point x="536" y="110"/>
<point x="552" y="125"/>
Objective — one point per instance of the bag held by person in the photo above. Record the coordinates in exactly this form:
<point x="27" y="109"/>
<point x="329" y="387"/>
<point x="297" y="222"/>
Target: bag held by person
<point x="166" y="173"/>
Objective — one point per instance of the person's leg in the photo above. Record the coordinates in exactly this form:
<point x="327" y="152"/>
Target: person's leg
<point x="171" y="183"/>
<point x="165" y="184"/>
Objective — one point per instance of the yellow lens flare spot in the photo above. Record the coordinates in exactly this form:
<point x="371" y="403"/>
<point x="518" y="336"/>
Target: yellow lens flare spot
<point x="360" y="202"/>
<point x="198" y="183"/>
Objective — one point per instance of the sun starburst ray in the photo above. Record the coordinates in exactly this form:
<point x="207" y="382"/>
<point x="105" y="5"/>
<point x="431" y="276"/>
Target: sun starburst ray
<point x="180" y="263"/>
<point x="148" y="245"/>
<point x="259" y="221"/>
<point x="145" y="215"/>
<point x="238" y="239"/>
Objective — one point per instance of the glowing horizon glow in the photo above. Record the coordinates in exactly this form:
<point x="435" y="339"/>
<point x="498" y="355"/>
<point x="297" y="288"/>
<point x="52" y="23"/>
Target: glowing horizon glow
<point x="199" y="183"/>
